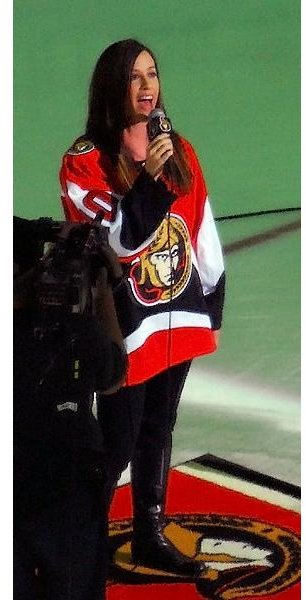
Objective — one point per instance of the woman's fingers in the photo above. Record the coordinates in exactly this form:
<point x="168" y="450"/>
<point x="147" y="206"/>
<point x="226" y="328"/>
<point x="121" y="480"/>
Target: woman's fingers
<point x="160" y="144"/>
<point x="158" y="152"/>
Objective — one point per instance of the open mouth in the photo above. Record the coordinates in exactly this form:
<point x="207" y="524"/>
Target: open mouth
<point x="145" y="101"/>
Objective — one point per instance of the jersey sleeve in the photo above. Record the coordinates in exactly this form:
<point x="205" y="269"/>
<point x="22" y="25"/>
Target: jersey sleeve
<point x="85" y="189"/>
<point x="131" y="219"/>
<point x="207" y="245"/>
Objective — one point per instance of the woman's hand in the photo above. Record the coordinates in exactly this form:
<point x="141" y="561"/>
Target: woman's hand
<point x="158" y="152"/>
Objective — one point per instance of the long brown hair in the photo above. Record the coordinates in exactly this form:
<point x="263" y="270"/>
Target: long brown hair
<point x="107" y="116"/>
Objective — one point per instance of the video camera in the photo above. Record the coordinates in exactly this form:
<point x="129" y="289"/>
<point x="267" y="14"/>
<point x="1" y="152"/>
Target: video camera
<point x="65" y="274"/>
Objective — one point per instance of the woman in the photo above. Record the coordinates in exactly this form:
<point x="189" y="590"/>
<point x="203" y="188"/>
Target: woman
<point x="153" y="199"/>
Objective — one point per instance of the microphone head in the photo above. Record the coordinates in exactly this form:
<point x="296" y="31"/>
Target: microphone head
<point x="156" y="112"/>
<point x="158" y="123"/>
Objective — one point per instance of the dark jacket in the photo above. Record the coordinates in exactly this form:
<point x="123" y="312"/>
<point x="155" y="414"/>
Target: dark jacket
<point x="57" y="442"/>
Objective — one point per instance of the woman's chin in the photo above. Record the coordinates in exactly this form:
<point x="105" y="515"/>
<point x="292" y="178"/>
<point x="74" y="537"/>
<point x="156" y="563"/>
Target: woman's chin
<point x="138" y="118"/>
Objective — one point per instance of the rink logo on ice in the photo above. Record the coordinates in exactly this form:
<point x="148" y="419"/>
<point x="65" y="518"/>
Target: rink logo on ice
<point x="245" y="558"/>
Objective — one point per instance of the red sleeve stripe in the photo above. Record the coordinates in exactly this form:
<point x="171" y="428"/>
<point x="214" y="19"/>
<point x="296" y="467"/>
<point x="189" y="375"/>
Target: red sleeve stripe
<point x="87" y="202"/>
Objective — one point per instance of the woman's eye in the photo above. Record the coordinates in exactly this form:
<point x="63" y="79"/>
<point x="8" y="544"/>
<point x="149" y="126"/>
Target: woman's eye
<point x="134" y="76"/>
<point x="152" y="74"/>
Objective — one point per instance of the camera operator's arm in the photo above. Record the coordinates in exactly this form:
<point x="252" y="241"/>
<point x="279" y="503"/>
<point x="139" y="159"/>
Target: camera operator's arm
<point x="105" y="311"/>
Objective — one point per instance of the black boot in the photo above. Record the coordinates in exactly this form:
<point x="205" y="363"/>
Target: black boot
<point x="150" y="547"/>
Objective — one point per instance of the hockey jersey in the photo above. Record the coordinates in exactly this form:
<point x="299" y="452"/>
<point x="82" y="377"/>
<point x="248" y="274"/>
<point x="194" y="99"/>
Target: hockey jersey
<point x="172" y="293"/>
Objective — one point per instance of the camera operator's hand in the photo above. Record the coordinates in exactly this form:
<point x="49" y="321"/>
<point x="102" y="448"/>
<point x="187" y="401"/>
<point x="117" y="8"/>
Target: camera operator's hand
<point x="105" y="311"/>
<point x="104" y="307"/>
<point x="111" y="262"/>
<point x="102" y="254"/>
<point x="101" y="287"/>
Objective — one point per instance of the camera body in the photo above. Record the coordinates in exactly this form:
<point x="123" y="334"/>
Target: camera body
<point x="67" y="271"/>
<point x="57" y="265"/>
<point x="65" y="275"/>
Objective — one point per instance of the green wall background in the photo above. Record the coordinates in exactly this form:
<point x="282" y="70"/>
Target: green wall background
<point x="231" y="78"/>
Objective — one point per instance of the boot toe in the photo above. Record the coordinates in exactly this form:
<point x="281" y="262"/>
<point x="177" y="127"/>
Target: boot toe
<point x="166" y="557"/>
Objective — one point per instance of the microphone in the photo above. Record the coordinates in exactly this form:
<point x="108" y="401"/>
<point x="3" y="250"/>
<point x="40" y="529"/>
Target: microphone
<point x="158" y="123"/>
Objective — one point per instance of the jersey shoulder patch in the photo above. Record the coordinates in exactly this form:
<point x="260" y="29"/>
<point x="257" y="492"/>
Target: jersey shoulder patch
<point x="81" y="146"/>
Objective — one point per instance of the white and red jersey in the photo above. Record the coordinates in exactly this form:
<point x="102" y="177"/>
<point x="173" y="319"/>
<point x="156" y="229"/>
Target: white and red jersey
<point x="172" y="293"/>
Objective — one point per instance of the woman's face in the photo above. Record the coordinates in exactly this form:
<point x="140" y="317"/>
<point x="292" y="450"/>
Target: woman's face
<point x="144" y="86"/>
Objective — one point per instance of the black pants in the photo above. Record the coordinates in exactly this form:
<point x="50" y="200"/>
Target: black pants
<point x="67" y="543"/>
<point x="140" y="417"/>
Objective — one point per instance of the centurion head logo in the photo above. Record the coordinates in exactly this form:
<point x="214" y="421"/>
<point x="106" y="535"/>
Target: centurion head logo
<point x="245" y="558"/>
<point x="163" y="270"/>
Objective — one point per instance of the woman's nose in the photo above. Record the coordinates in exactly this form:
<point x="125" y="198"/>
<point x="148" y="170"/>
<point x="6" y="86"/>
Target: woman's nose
<point x="145" y="82"/>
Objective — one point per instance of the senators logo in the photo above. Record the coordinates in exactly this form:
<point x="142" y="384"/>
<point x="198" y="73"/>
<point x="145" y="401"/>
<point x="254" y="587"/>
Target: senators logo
<point x="165" y="124"/>
<point x="245" y="558"/>
<point x="162" y="272"/>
